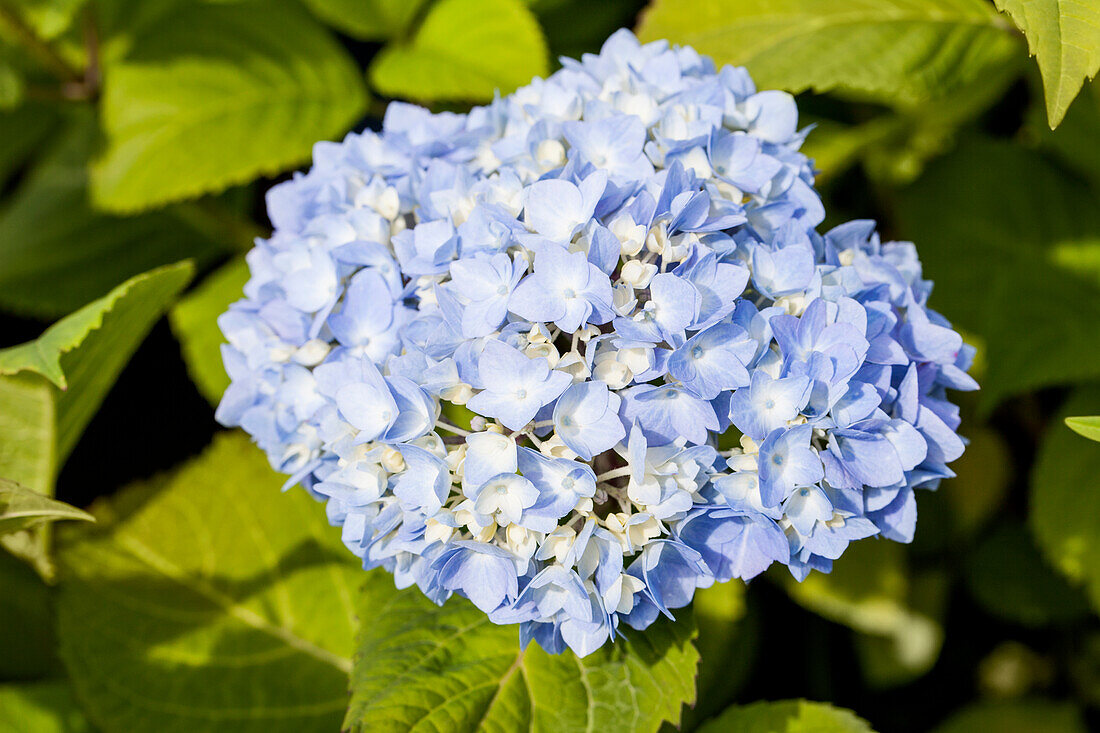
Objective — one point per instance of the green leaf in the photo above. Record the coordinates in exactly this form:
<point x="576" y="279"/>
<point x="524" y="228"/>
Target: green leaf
<point x="21" y="508"/>
<point x="147" y="291"/>
<point x="987" y="221"/>
<point x="456" y="670"/>
<point x="28" y="432"/>
<point x="56" y="254"/>
<point x="28" y="647"/>
<point x="368" y="20"/>
<point x="43" y="707"/>
<point x="49" y="18"/>
<point x="1064" y="37"/>
<point x="219" y="604"/>
<point x="21" y="134"/>
<point x="870" y="590"/>
<point x="1086" y="426"/>
<point x="189" y="113"/>
<point x="195" y="322"/>
<point x="728" y="639"/>
<point x="1074" y="142"/>
<point x="92" y="368"/>
<point x="464" y="50"/>
<point x="982" y="479"/>
<point x="1010" y="580"/>
<point x="11" y="86"/>
<point x="1065" y="499"/>
<point x="788" y="716"/>
<point x="896" y="51"/>
<point x="1017" y="716"/>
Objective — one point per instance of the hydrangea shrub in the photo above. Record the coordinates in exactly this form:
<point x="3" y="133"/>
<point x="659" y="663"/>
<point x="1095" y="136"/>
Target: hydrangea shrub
<point x="581" y="351"/>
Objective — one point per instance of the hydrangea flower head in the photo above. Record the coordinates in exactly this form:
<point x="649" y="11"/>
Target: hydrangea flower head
<point x="581" y="351"/>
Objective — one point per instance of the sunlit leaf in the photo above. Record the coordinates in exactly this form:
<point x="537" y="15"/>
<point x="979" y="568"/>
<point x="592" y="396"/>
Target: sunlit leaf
<point x="370" y="20"/>
<point x="195" y="322"/>
<point x="788" y="716"/>
<point x="464" y="50"/>
<point x="897" y="51"/>
<point x="219" y="604"/>
<point x="41" y="707"/>
<point x="189" y="113"/>
<point x="1064" y="37"/>
<point x="459" y="671"/>
<point x="1086" y="426"/>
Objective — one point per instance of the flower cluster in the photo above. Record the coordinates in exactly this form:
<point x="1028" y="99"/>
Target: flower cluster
<point x="581" y="351"/>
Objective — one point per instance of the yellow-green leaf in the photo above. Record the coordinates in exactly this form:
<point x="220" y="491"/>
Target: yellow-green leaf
<point x="460" y="672"/>
<point x="1064" y="37"/>
<point x="219" y="604"/>
<point x="369" y="20"/>
<point x="787" y="716"/>
<point x="189" y="112"/>
<point x="195" y="322"/>
<point x="897" y="51"/>
<point x="1086" y="426"/>
<point x="464" y="50"/>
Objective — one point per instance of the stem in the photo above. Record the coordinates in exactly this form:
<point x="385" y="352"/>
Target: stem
<point x="37" y="46"/>
<point x="451" y="428"/>
<point x="613" y="474"/>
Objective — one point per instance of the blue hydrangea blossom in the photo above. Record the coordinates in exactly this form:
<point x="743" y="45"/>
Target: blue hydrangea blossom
<point x="674" y="379"/>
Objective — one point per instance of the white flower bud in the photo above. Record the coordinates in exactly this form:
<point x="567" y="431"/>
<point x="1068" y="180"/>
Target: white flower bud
<point x="550" y="154"/>
<point x="631" y="236"/>
<point x="613" y="373"/>
<point x="312" y="352"/>
<point x="638" y="274"/>
<point x="478" y="423"/>
<point x="623" y="299"/>
<point x="458" y="394"/>
<point x="392" y="460"/>
<point x="637" y="359"/>
<point x="547" y="351"/>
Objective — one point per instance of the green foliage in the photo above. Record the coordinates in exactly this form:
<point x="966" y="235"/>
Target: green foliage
<point x="872" y="591"/>
<point x="1009" y="578"/>
<point x="1065" y="499"/>
<point x="190" y="113"/>
<point x="218" y="605"/>
<point x="1023" y="716"/>
<point x="28" y="430"/>
<point x="42" y="707"/>
<point x="56" y="253"/>
<point x="143" y="294"/>
<point x="195" y="322"/>
<point x="21" y="508"/>
<point x="204" y="599"/>
<point x="901" y="52"/>
<point x="85" y="353"/>
<point x="1064" y="37"/>
<point x="788" y="716"/>
<point x="464" y="50"/>
<point x="28" y="645"/>
<point x="459" y="671"/>
<point x="1086" y="426"/>
<point x="988" y="219"/>
<point x="369" y="20"/>
<point x="49" y="18"/>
